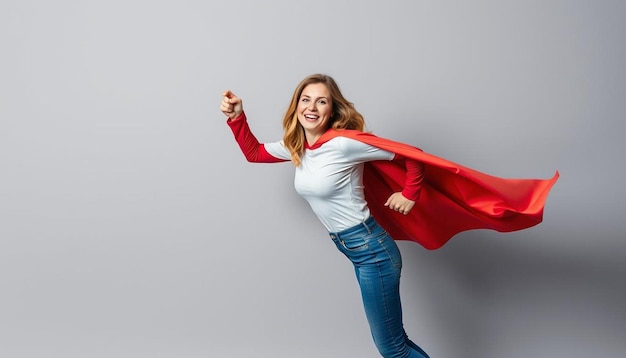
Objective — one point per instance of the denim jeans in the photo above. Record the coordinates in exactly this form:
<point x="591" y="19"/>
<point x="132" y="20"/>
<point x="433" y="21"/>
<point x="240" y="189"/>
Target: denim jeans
<point x="377" y="264"/>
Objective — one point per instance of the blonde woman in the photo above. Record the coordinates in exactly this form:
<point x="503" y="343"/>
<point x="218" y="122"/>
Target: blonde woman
<point x="364" y="188"/>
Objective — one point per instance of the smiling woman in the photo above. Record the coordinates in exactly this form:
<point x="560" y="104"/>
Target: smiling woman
<point x="314" y="111"/>
<point x="364" y="189"/>
<point x="329" y="175"/>
<point x="338" y="111"/>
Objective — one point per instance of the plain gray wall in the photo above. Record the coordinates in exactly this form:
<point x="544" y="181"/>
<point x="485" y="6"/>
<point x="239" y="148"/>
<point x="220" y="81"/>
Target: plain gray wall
<point x="131" y="225"/>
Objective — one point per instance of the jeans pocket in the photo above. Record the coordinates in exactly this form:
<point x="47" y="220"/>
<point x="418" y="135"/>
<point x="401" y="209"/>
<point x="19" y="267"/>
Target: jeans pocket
<point x="356" y="244"/>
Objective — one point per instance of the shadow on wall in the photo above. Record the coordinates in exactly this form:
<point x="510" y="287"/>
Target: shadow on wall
<point x="500" y="300"/>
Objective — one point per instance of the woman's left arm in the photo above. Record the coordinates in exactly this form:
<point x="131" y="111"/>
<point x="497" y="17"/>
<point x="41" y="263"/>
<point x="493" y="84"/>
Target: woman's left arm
<point x="414" y="179"/>
<point x="404" y="201"/>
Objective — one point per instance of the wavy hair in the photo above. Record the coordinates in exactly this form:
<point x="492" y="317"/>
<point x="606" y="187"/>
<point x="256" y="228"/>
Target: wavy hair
<point x="344" y="115"/>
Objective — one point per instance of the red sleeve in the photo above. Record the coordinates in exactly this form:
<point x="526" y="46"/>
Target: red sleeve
<point x="414" y="178"/>
<point x="250" y="147"/>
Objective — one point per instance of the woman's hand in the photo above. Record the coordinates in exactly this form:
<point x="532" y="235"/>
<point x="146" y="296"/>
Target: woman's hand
<point x="231" y="105"/>
<point x="399" y="203"/>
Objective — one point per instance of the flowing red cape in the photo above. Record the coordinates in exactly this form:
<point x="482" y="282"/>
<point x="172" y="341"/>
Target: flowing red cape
<point x="453" y="199"/>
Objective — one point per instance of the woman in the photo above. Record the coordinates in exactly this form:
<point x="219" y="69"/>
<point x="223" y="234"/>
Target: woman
<point x="350" y="177"/>
<point x="329" y="176"/>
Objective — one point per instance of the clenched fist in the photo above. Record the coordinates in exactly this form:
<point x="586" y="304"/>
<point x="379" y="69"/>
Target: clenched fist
<point x="231" y="105"/>
<point x="399" y="203"/>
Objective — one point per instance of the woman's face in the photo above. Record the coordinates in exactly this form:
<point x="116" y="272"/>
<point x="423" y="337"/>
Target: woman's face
<point x="314" y="110"/>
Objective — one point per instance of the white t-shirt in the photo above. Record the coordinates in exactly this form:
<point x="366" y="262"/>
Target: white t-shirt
<point x="330" y="178"/>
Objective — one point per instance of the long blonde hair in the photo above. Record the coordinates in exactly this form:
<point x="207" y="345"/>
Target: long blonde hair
<point x="344" y="115"/>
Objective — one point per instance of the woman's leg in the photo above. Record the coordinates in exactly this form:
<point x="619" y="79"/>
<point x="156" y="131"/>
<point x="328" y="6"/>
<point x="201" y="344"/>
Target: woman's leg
<point x="377" y="263"/>
<point x="380" y="290"/>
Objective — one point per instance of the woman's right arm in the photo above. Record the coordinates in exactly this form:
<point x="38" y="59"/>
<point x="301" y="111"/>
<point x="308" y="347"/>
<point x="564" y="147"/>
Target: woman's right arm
<point x="251" y="148"/>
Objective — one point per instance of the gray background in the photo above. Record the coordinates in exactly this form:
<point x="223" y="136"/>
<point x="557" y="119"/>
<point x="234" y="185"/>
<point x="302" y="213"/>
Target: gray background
<point x="131" y="225"/>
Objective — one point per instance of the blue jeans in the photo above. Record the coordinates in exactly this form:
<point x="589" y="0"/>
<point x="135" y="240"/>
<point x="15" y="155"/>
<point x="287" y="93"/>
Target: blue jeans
<point x="377" y="264"/>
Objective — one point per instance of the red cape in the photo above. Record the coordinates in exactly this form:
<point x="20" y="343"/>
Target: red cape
<point x="453" y="199"/>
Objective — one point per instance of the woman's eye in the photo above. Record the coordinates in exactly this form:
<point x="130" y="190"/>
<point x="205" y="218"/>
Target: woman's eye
<point x="304" y="100"/>
<point x="322" y="102"/>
